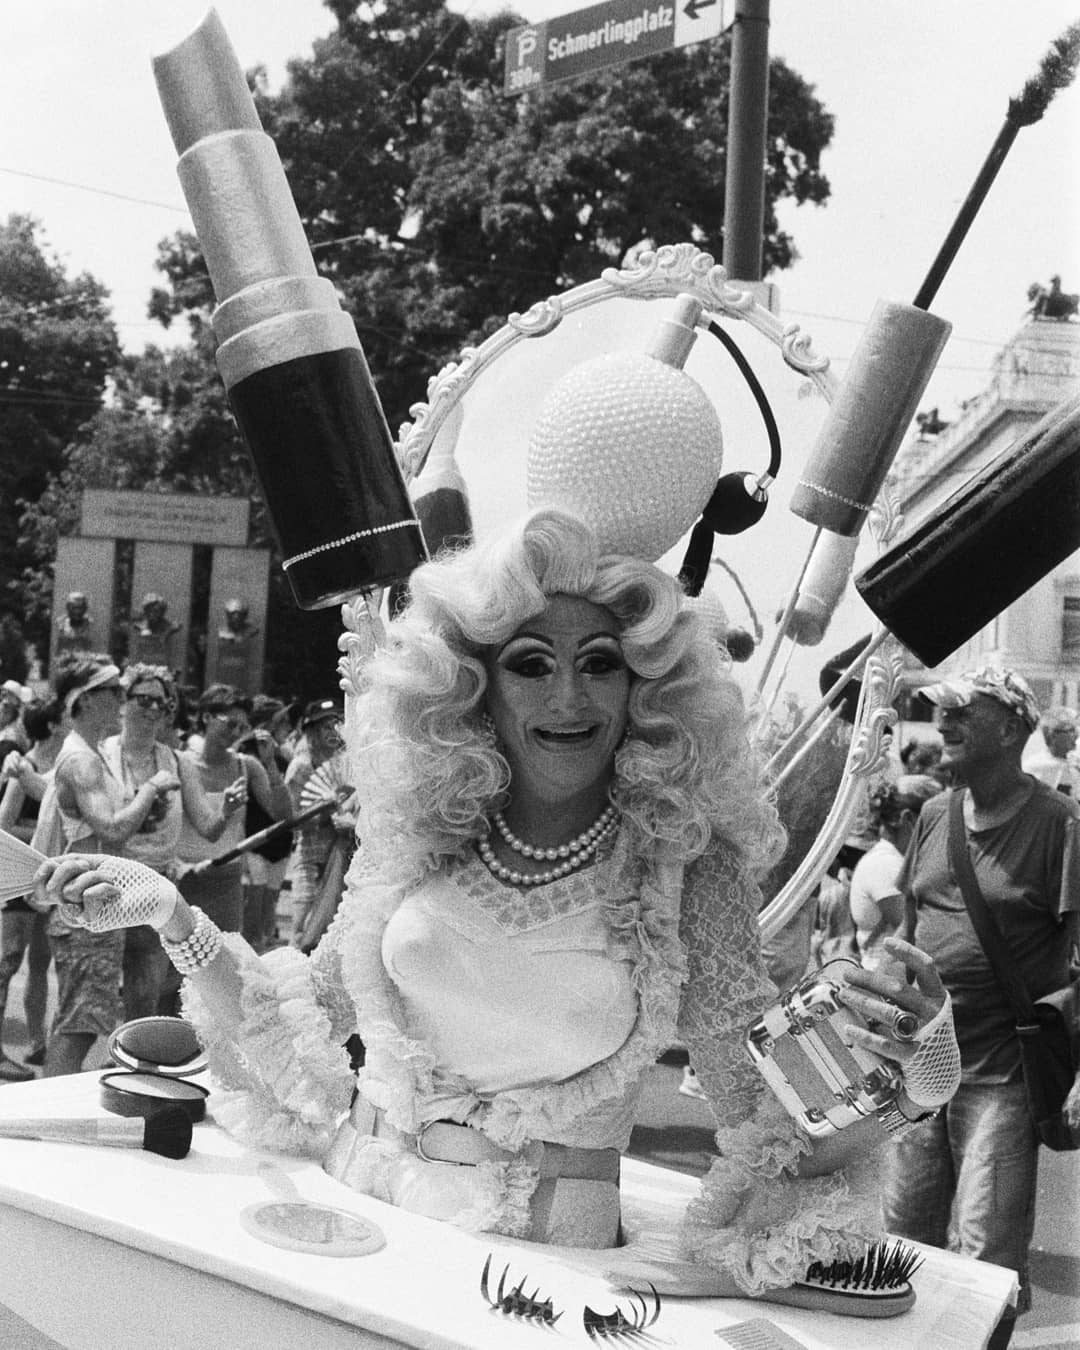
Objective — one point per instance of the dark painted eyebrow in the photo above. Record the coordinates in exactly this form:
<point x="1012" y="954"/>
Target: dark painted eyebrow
<point x="602" y="633"/>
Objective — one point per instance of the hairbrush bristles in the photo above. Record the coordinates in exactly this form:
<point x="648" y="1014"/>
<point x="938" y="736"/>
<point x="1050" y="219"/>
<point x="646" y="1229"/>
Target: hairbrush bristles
<point x="882" y="1268"/>
<point x="875" y="1284"/>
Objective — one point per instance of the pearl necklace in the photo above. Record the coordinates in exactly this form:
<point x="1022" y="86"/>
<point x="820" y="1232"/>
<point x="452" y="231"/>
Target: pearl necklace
<point x="573" y="854"/>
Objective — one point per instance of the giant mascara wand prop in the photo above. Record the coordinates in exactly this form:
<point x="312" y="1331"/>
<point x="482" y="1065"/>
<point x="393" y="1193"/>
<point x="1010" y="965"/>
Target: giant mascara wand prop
<point x="1055" y="73"/>
<point x="292" y="364"/>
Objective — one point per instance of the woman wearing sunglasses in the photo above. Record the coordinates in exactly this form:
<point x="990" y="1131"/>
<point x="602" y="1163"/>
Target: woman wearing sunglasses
<point x="136" y="756"/>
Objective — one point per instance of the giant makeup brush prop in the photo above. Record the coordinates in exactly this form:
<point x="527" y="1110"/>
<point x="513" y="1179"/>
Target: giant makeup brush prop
<point x="887" y="377"/>
<point x="292" y="364"/>
<point x="166" y="1132"/>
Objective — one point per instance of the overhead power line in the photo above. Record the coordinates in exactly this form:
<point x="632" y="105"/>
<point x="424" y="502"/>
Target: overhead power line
<point x="96" y="191"/>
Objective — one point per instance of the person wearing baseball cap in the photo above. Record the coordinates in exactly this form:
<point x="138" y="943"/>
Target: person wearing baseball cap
<point x="975" y="1163"/>
<point x="320" y="710"/>
<point x="1005" y="686"/>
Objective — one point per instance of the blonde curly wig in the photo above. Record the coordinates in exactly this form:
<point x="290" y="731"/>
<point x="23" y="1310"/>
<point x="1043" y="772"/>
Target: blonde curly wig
<point x="432" y="773"/>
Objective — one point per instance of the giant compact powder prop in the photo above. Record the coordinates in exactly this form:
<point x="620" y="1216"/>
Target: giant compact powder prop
<point x="991" y="541"/>
<point x="292" y="364"/>
<point x="156" y="1057"/>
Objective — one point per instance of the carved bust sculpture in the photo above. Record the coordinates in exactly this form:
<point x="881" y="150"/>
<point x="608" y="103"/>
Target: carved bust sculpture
<point x="153" y="634"/>
<point x="236" y="630"/>
<point x="73" y="626"/>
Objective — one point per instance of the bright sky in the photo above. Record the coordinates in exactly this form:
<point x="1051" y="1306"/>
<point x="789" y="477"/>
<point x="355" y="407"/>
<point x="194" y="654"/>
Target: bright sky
<point x="919" y="90"/>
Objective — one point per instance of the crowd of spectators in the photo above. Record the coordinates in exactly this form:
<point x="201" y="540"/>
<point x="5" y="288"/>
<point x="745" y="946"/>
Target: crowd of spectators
<point x="127" y="762"/>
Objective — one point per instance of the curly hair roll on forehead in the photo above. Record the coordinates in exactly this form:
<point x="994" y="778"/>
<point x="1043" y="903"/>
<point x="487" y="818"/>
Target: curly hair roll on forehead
<point x="479" y="597"/>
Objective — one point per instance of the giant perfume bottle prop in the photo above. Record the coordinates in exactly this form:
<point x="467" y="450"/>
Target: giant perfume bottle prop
<point x="295" y="373"/>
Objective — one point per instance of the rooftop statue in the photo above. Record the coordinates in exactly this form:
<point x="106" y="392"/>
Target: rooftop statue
<point x="1051" y="302"/>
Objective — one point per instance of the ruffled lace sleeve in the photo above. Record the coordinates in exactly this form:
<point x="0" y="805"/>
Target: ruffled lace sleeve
<point x="276" y="1054"/>
<point x="755" y="1219"/>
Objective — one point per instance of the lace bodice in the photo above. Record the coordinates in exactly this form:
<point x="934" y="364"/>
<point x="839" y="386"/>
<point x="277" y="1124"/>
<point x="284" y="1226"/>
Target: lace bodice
<point x="507" y="998"/>
<point x="687" y="941"/>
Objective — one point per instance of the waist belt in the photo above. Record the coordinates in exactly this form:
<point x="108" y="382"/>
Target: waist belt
<point x="445" y="1141"/>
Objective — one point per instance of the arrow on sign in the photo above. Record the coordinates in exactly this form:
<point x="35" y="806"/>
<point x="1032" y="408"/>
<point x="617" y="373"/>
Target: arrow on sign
<point x="694" y="8"/>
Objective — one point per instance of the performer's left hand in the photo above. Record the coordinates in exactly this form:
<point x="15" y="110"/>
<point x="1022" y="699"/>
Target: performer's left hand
<point x="894" y="1009"/>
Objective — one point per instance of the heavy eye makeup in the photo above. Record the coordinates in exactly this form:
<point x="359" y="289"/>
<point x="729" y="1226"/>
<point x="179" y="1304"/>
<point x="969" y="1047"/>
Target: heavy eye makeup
<point x="533" y="658"/>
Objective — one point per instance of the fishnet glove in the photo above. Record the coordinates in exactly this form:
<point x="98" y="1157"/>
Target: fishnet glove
<point x="932" y="1074"/>
<point x="145" y="897"/>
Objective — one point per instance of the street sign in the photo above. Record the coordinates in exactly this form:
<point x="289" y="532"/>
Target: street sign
<point x="604" y="35"/>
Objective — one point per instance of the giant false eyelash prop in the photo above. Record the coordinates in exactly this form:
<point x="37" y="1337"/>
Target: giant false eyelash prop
<point x="739" y="499"/>
<point x="516" y="1302"/>
<point x="609" y="1325"/>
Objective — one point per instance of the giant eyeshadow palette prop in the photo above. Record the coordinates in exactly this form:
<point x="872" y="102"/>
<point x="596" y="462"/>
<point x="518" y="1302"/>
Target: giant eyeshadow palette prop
<point x="155" y="1057"/>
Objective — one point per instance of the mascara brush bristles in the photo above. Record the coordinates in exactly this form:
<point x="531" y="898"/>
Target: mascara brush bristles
<point x="166" y="1132"/>
<point x="1057" y="71"/>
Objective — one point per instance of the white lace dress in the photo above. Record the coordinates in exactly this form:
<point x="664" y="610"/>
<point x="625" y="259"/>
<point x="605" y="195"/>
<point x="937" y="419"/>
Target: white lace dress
<point x="532" y="1015"/>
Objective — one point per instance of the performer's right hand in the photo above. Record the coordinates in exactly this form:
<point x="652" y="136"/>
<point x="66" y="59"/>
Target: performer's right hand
<point x="101" y="892"/>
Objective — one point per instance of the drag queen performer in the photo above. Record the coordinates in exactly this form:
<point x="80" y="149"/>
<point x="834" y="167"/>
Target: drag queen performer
<point x="562" y="836"/>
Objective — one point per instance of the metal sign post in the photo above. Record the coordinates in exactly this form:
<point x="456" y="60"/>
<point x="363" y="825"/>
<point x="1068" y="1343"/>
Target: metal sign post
<point x="604" y="35"/>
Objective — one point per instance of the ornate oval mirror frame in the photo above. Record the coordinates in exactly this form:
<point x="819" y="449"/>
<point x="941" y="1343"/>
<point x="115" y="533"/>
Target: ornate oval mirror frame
<point x="663" y="274"/>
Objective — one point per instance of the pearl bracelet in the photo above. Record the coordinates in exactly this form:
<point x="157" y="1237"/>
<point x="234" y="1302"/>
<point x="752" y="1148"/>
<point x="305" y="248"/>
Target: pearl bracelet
<point x="200" y="946"/>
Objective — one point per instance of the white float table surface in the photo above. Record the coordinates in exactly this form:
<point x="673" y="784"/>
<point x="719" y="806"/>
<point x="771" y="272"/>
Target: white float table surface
<point x="110" y="1247"/>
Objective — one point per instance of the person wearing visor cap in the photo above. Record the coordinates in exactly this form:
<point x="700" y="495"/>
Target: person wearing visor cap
<point x="94" y="810"/>
<point x="972" y="1169"/>
<point x="322" y="845"/>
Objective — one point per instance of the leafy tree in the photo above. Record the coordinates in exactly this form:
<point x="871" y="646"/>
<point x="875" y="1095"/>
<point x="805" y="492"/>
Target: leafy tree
<point x="438" y="205"/>
<point x="57" y="345"/>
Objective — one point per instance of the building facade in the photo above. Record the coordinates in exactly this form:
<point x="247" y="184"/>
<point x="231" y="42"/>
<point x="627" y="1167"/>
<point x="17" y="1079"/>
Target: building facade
<point x="1039" y="634"/>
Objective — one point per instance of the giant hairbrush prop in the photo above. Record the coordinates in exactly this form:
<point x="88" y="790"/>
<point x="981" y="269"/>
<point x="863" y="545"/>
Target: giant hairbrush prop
<point x="292" y="364"/>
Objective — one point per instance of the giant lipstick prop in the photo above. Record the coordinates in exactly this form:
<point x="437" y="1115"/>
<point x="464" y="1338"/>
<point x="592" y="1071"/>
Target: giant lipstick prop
<point x="295" y="373"/>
